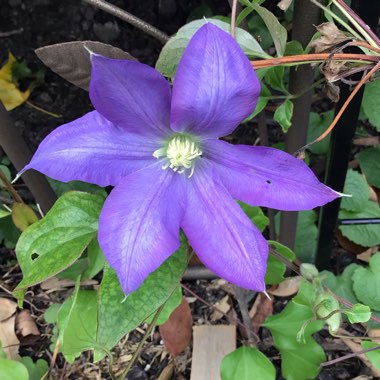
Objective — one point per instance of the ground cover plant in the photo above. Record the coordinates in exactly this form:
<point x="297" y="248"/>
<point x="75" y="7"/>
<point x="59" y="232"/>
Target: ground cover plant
<point x="164" y="169"/>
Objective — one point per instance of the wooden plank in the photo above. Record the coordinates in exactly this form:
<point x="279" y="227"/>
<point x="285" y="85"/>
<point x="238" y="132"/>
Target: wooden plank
<point x="210" y="345"/>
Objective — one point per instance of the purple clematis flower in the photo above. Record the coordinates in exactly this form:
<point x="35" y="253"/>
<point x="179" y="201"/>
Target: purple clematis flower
<point x="159" y="146"/>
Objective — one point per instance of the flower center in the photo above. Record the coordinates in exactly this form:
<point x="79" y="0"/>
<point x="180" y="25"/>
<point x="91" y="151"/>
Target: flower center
<point x="181" y="152"/>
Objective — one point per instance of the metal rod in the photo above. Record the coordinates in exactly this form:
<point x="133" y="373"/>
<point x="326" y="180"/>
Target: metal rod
<point x="129" y="18"/>
<point x="358" y="221"/>
<point x="306" y="15"/>
<point x="18" y="152"/>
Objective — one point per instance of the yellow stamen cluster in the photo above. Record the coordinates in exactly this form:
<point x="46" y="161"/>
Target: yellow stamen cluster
<point x="181" y="152"/>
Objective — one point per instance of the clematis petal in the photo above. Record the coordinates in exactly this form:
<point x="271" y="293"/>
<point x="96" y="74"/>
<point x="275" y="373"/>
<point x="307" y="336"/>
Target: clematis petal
<point x="215" y="86"/>
<point x="139" y="224"/>
<point x="221" y="234"/>
<point x="268" y="177"/>
<point x="131" y="95"/>
<point x="92" y="149"/>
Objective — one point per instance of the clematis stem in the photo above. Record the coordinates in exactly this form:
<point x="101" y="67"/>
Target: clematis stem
<point x="345" y="105"/>
<point x="303" y="59"/>
<point x="129" y="18"/>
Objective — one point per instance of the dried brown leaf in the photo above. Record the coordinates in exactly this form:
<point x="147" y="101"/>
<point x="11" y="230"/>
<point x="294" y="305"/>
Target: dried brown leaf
<point x="8" y="338"/>
<point x="71" y="60"/>
<point x="287" y="288"/>
<point x="221" y="308"/>
<point x="366" y="255"/>
<point x="7" y="308"/>
<point x="332" y="92"/>
<point x="330" y="37"/>
<point x="367" y="141"/>
<point x="25" y="324"/>
<point x="261" y="309"/>
<point x="176" y="331"/>
<point x="349" y="245"/>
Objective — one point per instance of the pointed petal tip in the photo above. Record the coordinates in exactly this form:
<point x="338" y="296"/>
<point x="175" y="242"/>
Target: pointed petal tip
<point x="342" y="194"/>
<point x="19" y="174"/>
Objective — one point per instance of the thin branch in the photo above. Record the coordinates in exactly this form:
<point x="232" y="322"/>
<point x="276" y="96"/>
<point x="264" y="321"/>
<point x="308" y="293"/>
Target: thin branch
<point x="314" y="58"/>
<point x="360" y="25"/>
<point x="129" y="18"/>
<point x="349" y="356"/>
<point x="230" y="319"/>
<point x="345" y="105"/>
<point x="10" y="188"/>
<point x="233" y="17"/>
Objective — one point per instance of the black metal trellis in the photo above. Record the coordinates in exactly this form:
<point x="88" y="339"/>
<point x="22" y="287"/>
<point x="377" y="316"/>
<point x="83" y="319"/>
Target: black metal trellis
<point x="340" y="147"/>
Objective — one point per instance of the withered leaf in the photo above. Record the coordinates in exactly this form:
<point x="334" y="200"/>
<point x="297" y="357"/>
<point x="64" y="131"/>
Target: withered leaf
<point x="71" y="60"/>
<point x="176" y="331"/>
<point x="25" y="324"/>
<point x="287" y="288"/>
<point x="8" y="338"/>
<point x="7" y="308"/>
<point x="331" y="36"/>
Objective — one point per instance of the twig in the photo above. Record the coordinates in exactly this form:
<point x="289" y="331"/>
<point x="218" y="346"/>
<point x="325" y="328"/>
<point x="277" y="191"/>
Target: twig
<point x="131" y="19"/>
<point x="349" y="356"/>
<point x="302" y="59"/>
<point x="233" y="17"/>
<point x="345" y="105"/>
<point x="240" y="295"/>
<point x="10" y="188"/>
<point x="141" y="343"/>
<point x="230" y="319"/>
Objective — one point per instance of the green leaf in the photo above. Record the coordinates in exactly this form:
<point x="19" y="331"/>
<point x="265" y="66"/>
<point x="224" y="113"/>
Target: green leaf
<point x="324" y="305"/>
<point x="4" y="213"/>
<point x="245" y="361"/>
<point x="259" y="219"/>
<point x="257" y="27"/>
<point x="36" y="369"/>
<point x="367" y="235"/>
<point x="77" y="323"/>
<point x="23" y="216"/>
<point x="61" y="188"/>
<point x="283" y="115"/>
<point x="306" y="235"/>
<point x="11" y="370"/>
<point x="119" y="315"/>
<point x="294" y="48"/>
<point x="358" y="313"/>
<point x="172" y="52"/>
<point x="261" y="103"/>
<point x="6" y="172"/>
<point x="341" y="285"/>
<point x="372" y="356"/>
<point x="275" y="268"/>
<point x="369" y="160"/>
<point x="371" y="103"/>
<point x="367" y="283"/>
<point x="300" y="360"/>
<point x="277" y="31"/>
<point x="172" y="303"/>
<point x="95" y="260"/>
<point x="55" y="242"/>
<point x="318" y="123"/>
<point x="356" y="186"/>
<point x="9" y="232"/>
<point x="274" y="76"/>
